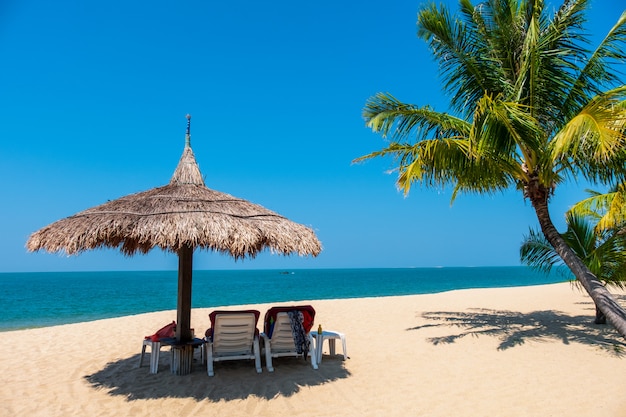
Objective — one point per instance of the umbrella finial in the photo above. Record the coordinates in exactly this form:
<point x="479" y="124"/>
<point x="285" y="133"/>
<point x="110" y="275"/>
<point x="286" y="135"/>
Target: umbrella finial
<point x="188" y="134"/>
<point x="187" y="171"/>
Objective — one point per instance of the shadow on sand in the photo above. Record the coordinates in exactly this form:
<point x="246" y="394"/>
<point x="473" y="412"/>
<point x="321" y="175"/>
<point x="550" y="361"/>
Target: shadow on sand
<point x="515" y="328"/>
<point x="233" y="380"/>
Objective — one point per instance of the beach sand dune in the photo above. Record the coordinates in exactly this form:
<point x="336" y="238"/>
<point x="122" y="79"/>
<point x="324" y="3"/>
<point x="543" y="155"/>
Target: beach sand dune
<point x="526" y="351"/>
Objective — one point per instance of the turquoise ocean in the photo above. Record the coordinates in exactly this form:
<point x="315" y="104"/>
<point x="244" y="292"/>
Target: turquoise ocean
<point x="41" y="299"/>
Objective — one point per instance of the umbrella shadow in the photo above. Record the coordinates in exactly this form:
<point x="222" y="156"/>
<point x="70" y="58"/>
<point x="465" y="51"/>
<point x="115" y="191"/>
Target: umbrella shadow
<point x="515" y="328"/>
<point x="233" y="380"/>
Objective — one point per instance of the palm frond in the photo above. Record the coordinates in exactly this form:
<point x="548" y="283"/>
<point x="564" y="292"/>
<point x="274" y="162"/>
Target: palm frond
<point x="446" y="162"/>
<point x="608" y="209"/>
<point x="581" y="237"/>
<point x="594" y="140"/>
<point x="537" y="253"/>
<point x="505" y="131"/>
<point x="611" y="255"/>
<point x="385" y="114"/>
<point x="561" y="49"/>
<point x="443" y="162"/>
<point x="594" y="206"/>
<point x="599" y="71"/>
<point x="461" y="49"/>
<point x="526" y="62"/>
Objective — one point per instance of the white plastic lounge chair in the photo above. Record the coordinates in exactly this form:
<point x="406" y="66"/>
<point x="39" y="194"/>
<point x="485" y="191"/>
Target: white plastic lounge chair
<point x="233" y="336"/>
<point x="278" y="337"/>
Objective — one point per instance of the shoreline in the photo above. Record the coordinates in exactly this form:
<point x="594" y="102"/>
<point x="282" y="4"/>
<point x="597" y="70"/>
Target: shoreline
<point x="59" y="298"/>
<point x="514" y="351"/>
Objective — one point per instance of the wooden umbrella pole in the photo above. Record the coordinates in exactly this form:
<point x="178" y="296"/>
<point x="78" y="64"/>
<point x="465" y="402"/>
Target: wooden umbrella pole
<point x="185" y="271"/>
<point x="182" y="351"/>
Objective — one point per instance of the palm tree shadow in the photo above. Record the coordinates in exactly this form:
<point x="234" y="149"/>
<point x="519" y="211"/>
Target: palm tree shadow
<point x="515" y="328"/>
<point x="233" y="380"/>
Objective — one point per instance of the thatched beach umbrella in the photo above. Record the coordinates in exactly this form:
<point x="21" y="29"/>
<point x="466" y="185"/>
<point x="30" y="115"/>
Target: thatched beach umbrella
<point x="179" y="217"/>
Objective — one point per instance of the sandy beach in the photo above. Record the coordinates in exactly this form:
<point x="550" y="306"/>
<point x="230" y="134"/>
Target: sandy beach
<point x="526" y="351"/>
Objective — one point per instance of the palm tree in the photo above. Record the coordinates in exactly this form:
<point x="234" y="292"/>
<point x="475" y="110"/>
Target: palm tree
<point x="603" y="251"/>
<point x="530" y="107"/>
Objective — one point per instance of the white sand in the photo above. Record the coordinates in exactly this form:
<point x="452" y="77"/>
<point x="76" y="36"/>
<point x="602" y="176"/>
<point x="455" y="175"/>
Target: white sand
<point x="529" y="351"/>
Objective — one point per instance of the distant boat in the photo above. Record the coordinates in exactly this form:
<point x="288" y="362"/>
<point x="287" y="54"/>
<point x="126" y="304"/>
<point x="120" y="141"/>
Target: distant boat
<point x="286" y="273"/>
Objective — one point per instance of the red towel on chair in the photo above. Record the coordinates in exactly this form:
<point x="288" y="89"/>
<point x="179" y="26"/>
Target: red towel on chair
<point x="164" y="332"/>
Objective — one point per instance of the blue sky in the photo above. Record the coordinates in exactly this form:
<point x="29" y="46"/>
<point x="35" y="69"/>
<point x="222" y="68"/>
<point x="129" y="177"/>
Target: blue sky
<point x="93" y="103"/>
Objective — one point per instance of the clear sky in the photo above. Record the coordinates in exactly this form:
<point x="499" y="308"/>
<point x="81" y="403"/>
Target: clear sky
<point x="94" y="96"/>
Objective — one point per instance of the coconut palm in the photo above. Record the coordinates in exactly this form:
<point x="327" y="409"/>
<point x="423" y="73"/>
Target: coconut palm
<point x="530" y="106"/>
<point x="603" y="251"/>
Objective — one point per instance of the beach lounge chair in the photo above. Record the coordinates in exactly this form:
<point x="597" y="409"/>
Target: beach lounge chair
<point x="233" y="336"/>
<point x="163" y="337"/>
<point x="278" y="334"/>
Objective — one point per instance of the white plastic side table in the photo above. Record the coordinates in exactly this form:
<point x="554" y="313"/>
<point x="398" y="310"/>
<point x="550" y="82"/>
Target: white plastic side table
<point x="331" y="336"/>
<point x="155" y="349"/>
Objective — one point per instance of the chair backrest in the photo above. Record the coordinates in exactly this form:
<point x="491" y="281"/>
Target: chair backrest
<point x="271" y="317"/>
<point x="233" y="331"/>
<point x="282" y="336"/>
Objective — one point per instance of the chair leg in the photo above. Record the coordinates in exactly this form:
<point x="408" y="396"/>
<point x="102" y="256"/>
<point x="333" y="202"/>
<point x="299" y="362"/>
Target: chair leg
<point x="268" y="354"/>
<point x="143" y="352"/>
<point x="319" y="342"/>
<point x="155" y="349"/>
<point x="257" y="355"/>
<point x="209" y="359"/>
<point x="314" y="354"/>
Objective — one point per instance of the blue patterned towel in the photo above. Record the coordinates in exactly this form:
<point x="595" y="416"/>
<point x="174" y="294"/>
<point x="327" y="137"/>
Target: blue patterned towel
<point x="297" y="330"/>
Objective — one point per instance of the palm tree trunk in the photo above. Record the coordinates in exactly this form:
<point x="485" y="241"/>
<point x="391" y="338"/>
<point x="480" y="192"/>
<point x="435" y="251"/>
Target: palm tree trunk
<point x="604" y="300"/>
<point x="600" y="317"/>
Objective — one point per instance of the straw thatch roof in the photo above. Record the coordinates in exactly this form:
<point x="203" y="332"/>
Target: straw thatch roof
<point x="184" y="213"/>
